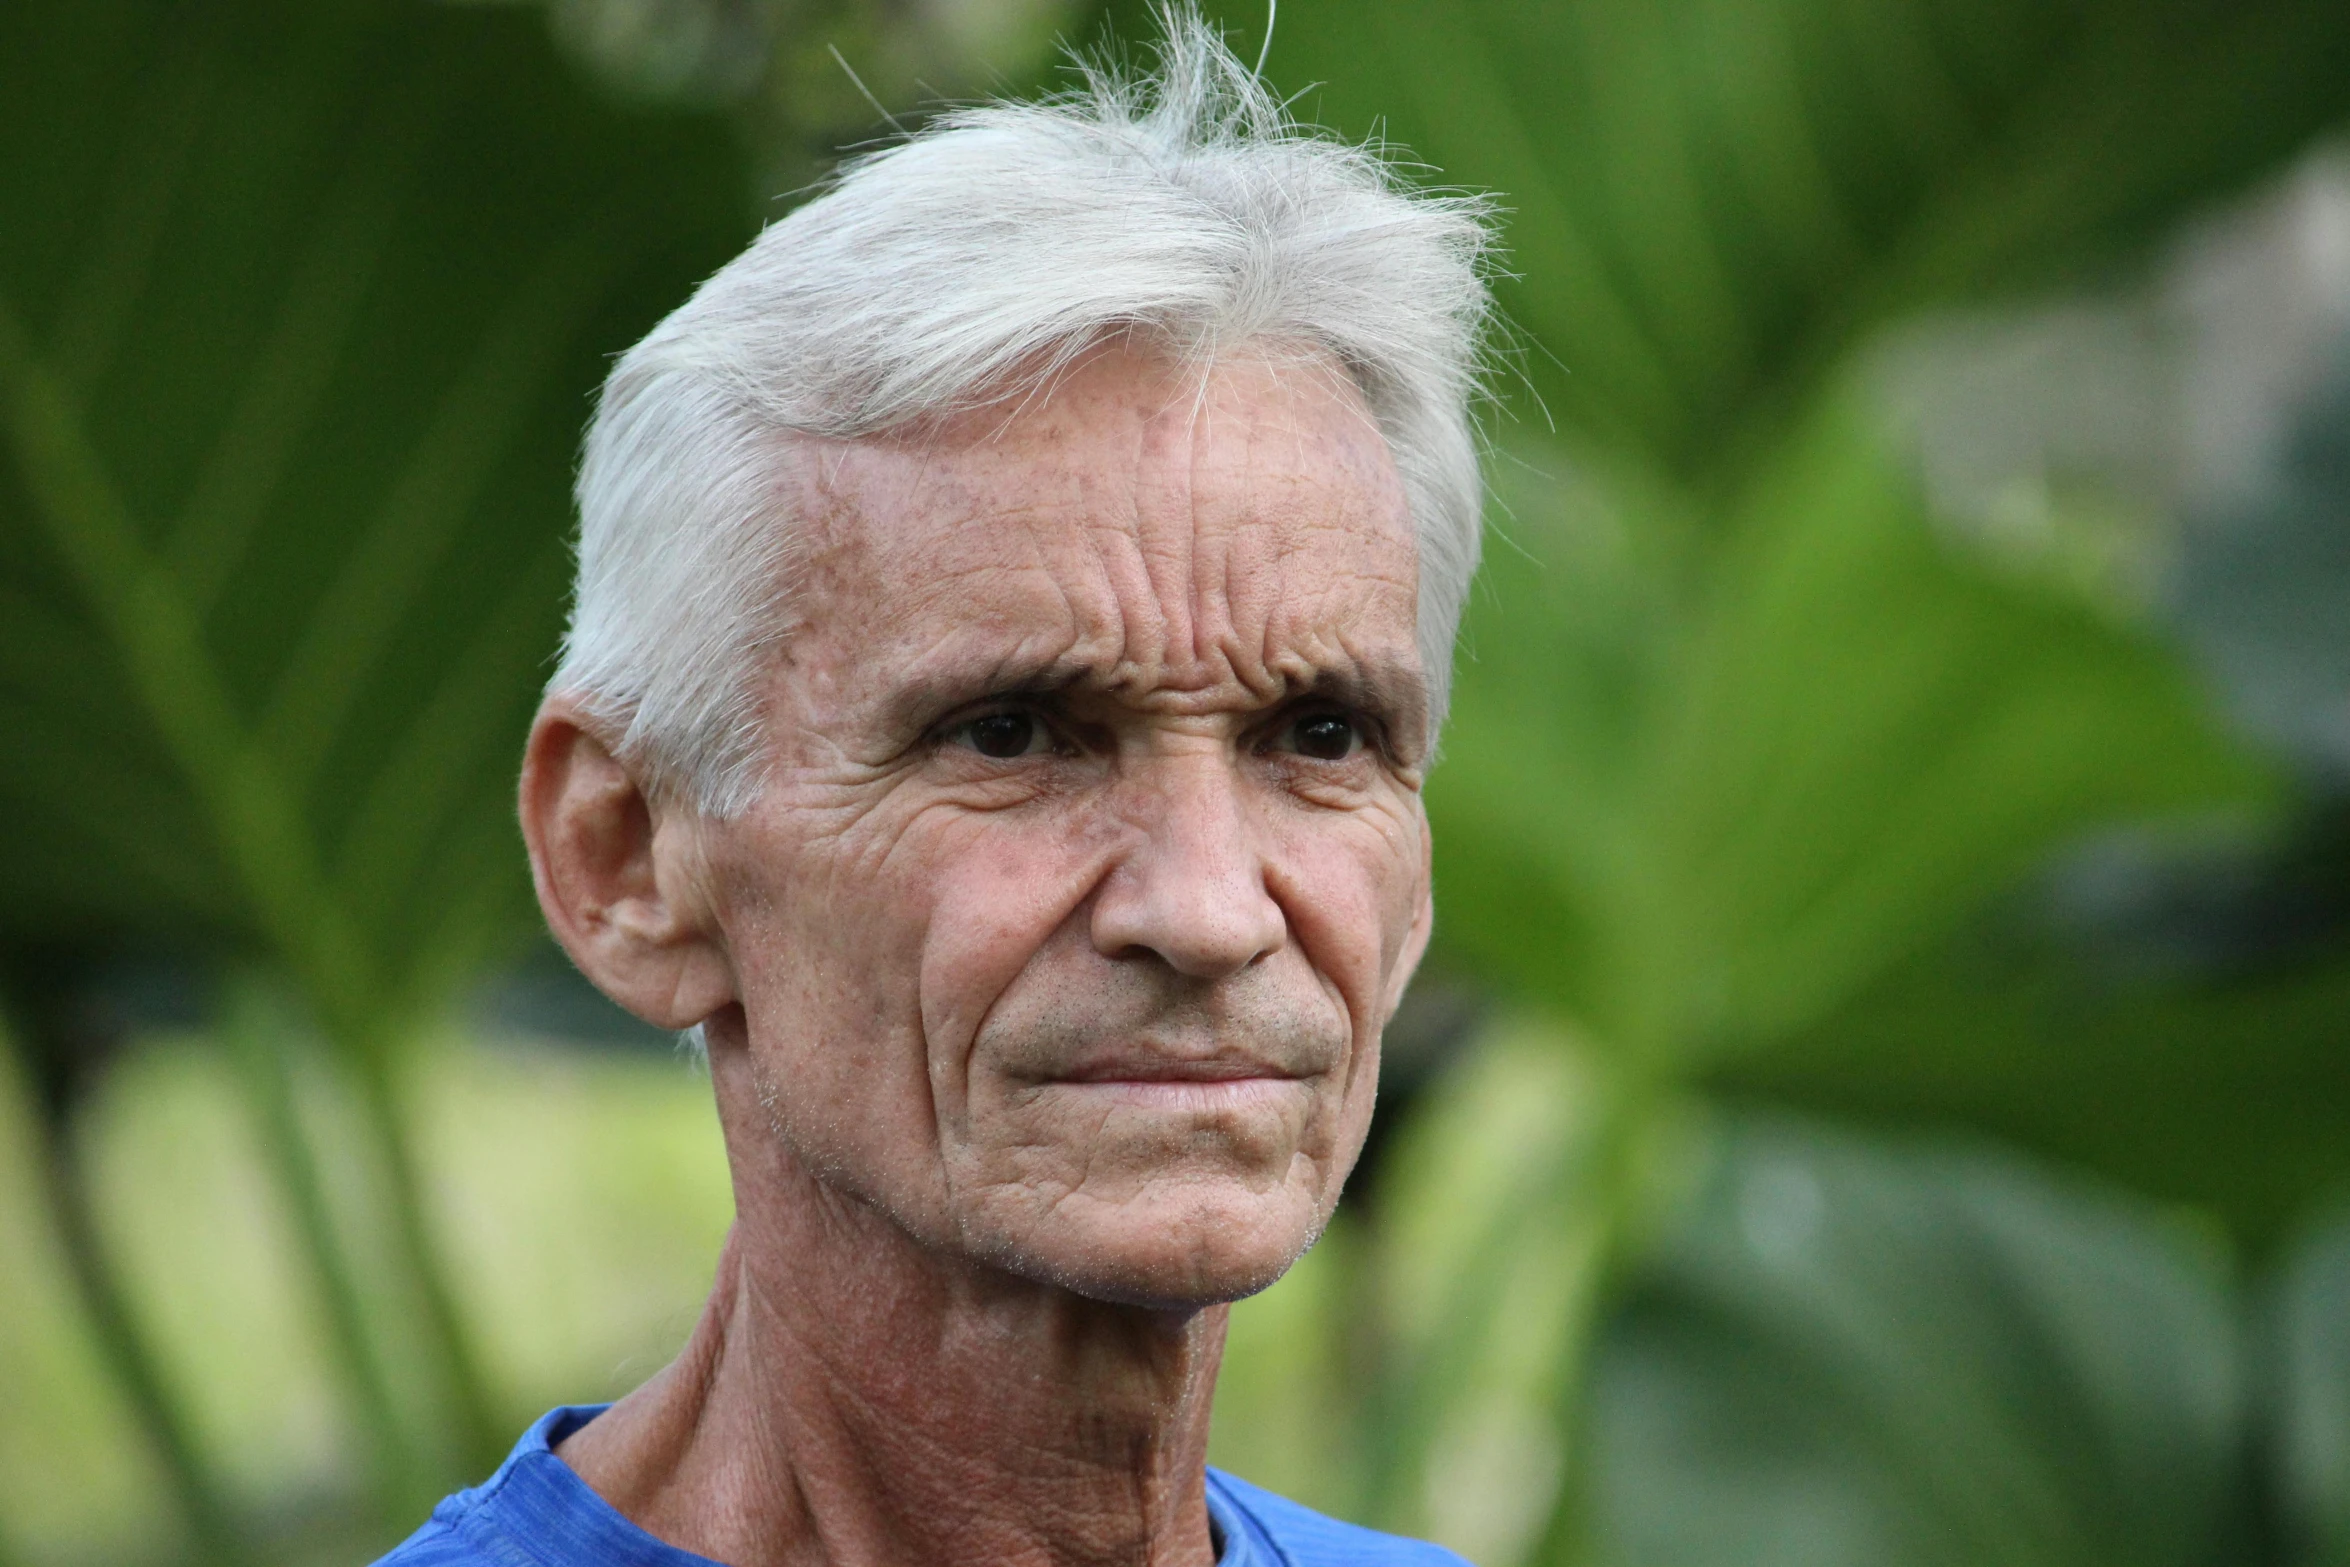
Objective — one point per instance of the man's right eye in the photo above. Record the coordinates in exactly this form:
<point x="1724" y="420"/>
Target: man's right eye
<point x="1003" y="735"/>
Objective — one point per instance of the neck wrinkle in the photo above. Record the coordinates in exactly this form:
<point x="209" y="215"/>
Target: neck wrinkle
<point x="853" y="1398"/>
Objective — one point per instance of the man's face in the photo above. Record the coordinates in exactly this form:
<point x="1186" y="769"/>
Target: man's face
<point x="1090" y="860"/>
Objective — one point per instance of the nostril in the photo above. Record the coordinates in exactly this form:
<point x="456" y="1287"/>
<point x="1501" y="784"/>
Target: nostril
<point x="1191" y="893"/>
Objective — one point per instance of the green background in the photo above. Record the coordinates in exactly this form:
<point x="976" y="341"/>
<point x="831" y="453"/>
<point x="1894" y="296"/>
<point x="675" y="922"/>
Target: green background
<point x="1881" y="1092"/>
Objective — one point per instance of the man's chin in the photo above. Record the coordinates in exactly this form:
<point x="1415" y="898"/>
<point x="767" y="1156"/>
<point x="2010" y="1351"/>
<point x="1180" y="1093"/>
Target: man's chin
<point x="1168" y="1254"/>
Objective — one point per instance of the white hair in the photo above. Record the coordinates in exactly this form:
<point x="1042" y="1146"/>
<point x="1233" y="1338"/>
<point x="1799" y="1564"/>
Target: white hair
<point x="976" y="258"/>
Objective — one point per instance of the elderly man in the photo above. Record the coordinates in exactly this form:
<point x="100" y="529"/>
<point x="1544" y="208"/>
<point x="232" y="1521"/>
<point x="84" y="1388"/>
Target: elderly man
<point x="1014" y="612"/>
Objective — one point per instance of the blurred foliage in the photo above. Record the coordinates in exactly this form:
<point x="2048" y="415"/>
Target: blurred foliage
<point x="594" y="1193"/>
<point x="1769" y="780"/>
<point x="297" y="308"/>
<point x="1713" y="200"/>
<point x="1855" y="1355"/>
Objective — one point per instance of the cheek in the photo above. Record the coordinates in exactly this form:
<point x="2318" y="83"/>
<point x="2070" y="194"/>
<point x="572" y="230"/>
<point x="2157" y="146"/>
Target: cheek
<point x="825" y="929"/>
<point x="1351" y="885"/>
<point x="999" y="891"/>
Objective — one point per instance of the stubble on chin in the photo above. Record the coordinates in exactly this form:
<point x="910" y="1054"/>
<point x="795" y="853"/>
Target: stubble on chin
<point x="1079" y="1187"/>
<point x="1164" y="1198"/>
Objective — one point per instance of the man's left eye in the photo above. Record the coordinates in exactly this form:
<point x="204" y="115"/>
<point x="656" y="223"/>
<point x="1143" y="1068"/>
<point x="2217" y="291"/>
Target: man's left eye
<point x="1004" y="735"/>
<point x="1324" y="736"/>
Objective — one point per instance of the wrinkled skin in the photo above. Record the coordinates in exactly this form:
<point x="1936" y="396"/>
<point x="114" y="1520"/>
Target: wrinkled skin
<point x="1043" y="983"/>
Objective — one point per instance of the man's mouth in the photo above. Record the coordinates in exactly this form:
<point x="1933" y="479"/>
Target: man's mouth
<point x="1154" y="1067"/>
<point x="1150" y="1079"/>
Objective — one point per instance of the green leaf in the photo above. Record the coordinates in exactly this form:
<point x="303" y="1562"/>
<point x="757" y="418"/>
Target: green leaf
<point x="1714" y="199"/>
<point x="1851" y="1353"/>
<point x="1877" y="733"/>
<point x="1702" y="806"/>
<point x="1496" y="1216"/>
<point x="1544" y="874"/>
<point x="2229" y="1094"/>
<point x="297" y="329"/>
<point x="2308" y="1377"/>
<point x="301" y="310"/>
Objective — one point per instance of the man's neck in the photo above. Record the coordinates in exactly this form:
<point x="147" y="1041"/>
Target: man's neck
<point x="854" y="1399"/>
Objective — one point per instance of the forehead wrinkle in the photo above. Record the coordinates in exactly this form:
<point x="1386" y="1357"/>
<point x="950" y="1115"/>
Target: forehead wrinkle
<point x="1161" y="529"/>
<point x="1191" y="604"/>
<point x="1151" y="613"/>
<point x="1194" y="639"/>
<point x="1209" y="612"/>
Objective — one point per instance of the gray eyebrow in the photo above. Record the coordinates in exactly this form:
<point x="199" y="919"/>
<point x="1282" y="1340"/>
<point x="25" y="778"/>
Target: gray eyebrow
<point x="916" y="703"/>
<point x="1390" y="689"/>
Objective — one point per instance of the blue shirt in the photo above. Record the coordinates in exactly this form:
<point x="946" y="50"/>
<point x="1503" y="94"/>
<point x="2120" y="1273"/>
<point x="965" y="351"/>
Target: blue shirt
<point x="535" y="1512"/>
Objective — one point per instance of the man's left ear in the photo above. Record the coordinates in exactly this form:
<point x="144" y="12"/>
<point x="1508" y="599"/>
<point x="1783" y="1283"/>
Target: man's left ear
<point x="617" y="877"/>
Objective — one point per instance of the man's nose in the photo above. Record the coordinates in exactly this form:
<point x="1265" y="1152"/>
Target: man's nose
<point x="1192" y="891"/>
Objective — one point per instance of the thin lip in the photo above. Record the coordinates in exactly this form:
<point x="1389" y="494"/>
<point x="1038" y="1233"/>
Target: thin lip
<point x="1163" y="1069"/>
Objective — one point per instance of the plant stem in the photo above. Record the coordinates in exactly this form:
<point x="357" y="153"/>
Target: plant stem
<point x="1417" y="1384"/>
<point x="255" y="816"/>
<point x="480" y="1443"/>
<point x="124" y="1347"/>
<point x="258" y="1046"/>
<point x="1625" y="1198"/>
<point x="1600" y="1180"/>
